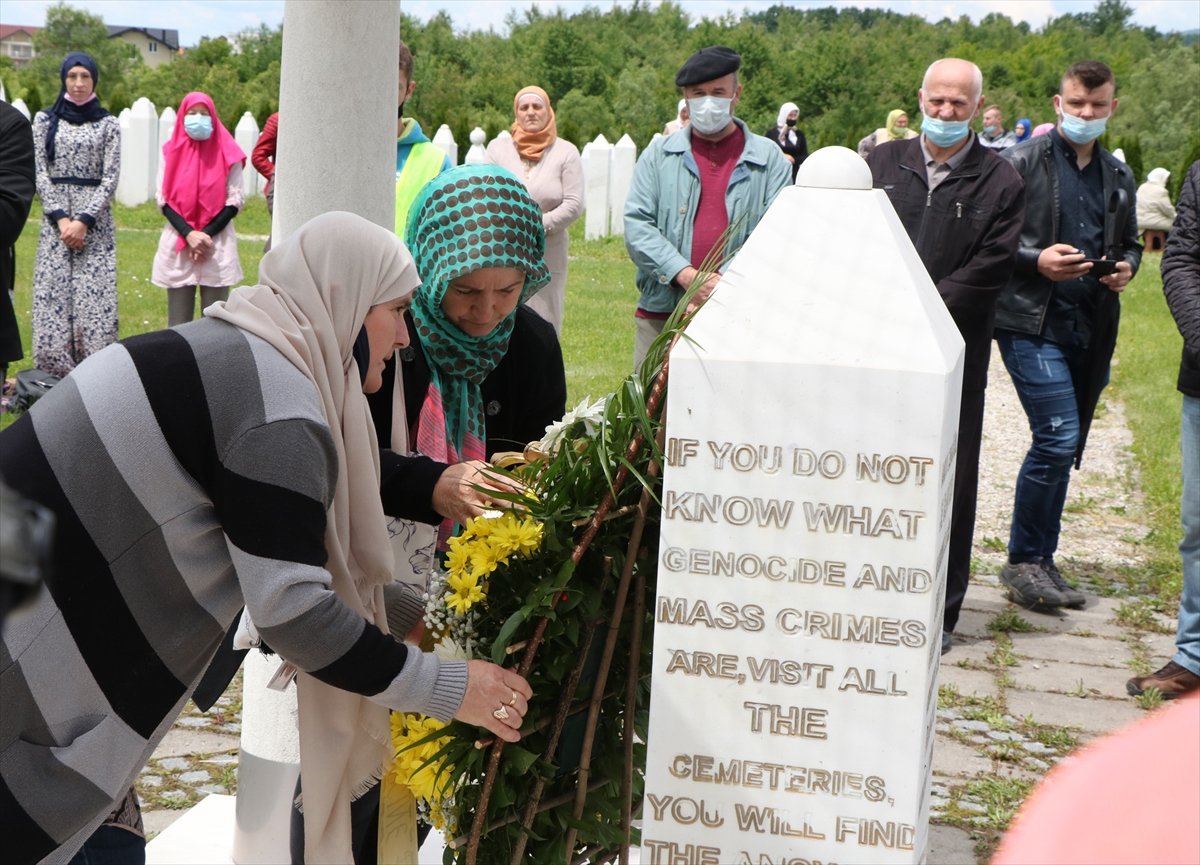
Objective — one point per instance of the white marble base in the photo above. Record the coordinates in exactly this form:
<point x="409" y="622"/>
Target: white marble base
<point x="204" y="836"/>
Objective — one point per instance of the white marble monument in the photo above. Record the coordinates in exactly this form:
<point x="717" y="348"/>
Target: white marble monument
<point x="811" y="422"/>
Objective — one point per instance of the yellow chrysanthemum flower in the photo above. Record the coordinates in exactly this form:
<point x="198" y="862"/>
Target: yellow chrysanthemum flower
<point x="504" y="539"/>
<point x="483" y="559"/>
<point x="528" y="536"/>
<point x="458" y="558"/>
<point x="421" y="780"/>
<point x="465" y="591"/>
<point x="478" y="527"/>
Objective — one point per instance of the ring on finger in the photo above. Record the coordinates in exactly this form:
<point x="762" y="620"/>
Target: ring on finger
<point x="501" y="714"/>
<point x="513" y="701"/>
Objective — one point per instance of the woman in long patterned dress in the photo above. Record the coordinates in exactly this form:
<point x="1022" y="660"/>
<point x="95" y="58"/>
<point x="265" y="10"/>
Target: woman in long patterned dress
<point x="77" y="148"/>
<point x="551" y="170"/>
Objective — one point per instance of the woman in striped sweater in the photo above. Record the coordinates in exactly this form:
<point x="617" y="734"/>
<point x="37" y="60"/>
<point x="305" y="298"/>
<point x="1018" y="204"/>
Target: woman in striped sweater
<point x="225" y="463"/>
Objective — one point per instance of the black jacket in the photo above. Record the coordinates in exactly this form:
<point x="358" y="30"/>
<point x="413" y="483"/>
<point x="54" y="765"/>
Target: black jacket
<point x="16" y="196"/>
<point x="965" y="231"/>
<point x="525" y="393"/>
<point x="1024" y="301"/>
<point x="1181" y="279"/>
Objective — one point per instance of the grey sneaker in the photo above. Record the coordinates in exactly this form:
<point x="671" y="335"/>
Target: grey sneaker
<point x="1030" y="586"/>
<point x="1075" y="598"/>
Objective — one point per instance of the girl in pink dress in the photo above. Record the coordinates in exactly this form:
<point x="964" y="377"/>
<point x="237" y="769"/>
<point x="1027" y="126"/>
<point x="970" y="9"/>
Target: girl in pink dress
<point x="199" y="192"/>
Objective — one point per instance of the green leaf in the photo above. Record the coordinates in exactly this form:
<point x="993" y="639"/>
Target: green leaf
<point x="519" y="759"/>
<point x="506" y="634"/>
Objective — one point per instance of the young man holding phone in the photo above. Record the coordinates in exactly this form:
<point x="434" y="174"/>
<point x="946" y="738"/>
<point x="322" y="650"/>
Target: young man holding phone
<point x="1056" y="320"/>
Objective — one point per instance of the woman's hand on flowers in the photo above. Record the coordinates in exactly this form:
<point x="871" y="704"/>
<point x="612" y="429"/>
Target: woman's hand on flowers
<point x="455" y="495"/>
<point x="496" y="699"/>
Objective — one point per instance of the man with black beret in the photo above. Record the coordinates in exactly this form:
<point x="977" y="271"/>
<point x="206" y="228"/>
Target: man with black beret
<point x="711" y="181"/>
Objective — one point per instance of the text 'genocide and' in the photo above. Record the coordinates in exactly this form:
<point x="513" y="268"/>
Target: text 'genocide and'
<point x="823" y="667"/>
<point x="798" y="462"/>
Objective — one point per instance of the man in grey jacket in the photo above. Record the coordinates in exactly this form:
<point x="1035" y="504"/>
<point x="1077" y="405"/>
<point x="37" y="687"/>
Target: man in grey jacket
<point x="1056" y="320"/>
<point x="697" y="194"/>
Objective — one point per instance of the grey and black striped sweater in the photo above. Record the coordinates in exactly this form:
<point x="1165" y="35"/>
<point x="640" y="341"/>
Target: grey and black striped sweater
<point x="190" y="471"/>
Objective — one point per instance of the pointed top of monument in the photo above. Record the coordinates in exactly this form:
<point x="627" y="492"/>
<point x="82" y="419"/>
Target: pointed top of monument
<point x="834" y="168"/>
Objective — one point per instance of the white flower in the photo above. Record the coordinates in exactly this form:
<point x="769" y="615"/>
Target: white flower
<point x="448" y="650"/>
<point x="583" y="420"/>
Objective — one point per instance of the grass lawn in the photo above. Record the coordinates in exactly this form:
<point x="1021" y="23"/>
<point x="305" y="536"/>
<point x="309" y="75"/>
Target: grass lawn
<point x="598" y="347"/>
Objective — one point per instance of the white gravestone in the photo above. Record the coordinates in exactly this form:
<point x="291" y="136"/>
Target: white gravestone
<point x="624" y="158"/>
<point x="125" y="193"/>
<point x="811" y="423"/>
<point x="166" y="127"/>
<point x="476" y="153"/>
<point x="444" y="139"/>
<point x="139" y="153"/>
<point x="246" y="135"/>
<point x="596" y="172"/>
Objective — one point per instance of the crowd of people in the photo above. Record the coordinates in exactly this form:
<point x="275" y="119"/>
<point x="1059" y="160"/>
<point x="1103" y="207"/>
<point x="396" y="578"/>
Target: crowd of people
<point x="393" y="364"/>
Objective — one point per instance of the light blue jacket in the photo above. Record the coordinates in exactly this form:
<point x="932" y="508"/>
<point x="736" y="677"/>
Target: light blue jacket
<point x="661" y="208"/>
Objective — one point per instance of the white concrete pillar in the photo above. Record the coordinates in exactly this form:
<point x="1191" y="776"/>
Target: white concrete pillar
<point x="20" y="105"/>
<point x="337" y="138"/>
<point x="444" y="139"/>
<point x="246" y="135"/>
<point x="337" y="151"/>
<point x="477" y="153"/>
<point x="595" y="188"/>
<point x="624" y="157"/>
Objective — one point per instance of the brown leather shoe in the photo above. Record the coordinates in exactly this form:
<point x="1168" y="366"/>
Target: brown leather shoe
<point x="1172" y="681"/>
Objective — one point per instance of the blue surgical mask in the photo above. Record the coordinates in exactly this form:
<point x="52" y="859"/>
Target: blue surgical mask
<point x="989" y="130"/>
<point x="1080" y="131"/>
<point x="198" y="126"/>
<point x="944" y="133"/>
<point x="710" y="114"/>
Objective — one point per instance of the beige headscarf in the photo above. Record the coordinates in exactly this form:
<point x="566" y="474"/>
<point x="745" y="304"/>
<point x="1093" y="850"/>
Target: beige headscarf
<point x="316" y="288"/>
<point x="531" y="145"/>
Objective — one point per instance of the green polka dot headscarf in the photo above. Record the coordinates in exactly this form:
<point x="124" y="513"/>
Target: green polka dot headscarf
<point x="465" y="219"/>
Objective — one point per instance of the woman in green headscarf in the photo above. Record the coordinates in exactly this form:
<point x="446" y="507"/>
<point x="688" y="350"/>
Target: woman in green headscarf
<point x="896" y="129"/>
<point x="483" y="373"/>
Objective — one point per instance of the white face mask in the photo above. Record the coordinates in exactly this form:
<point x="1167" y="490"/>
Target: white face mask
<point x="710" y="114"/>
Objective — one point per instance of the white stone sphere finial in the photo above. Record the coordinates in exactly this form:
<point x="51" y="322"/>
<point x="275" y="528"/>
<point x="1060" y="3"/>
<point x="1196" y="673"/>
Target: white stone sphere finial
<point x="834" y="168"/>
<point x="478" y="136"/>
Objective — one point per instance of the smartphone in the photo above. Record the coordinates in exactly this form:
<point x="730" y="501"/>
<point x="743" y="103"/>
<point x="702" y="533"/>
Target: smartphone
<point x="1102" y="266"/>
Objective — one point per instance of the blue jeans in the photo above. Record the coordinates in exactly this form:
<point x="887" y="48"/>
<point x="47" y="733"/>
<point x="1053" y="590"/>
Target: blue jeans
<point x="1043" y="374"/>
<point x="1187" y="637"/>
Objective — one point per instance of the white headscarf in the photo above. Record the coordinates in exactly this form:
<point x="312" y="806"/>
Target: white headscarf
<point x="781" y="120"/>
<point x="316" y="288"/>
<point x="1158" y="175"/>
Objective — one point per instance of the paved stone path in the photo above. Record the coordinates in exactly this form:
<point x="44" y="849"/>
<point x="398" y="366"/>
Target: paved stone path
<point x="1018" y="692"/>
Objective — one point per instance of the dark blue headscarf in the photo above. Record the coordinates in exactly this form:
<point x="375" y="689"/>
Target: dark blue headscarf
<point x="64" y="109"/>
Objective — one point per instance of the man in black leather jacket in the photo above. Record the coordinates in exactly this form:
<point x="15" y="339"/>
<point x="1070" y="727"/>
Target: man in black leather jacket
<point x="1056" y="320"/>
